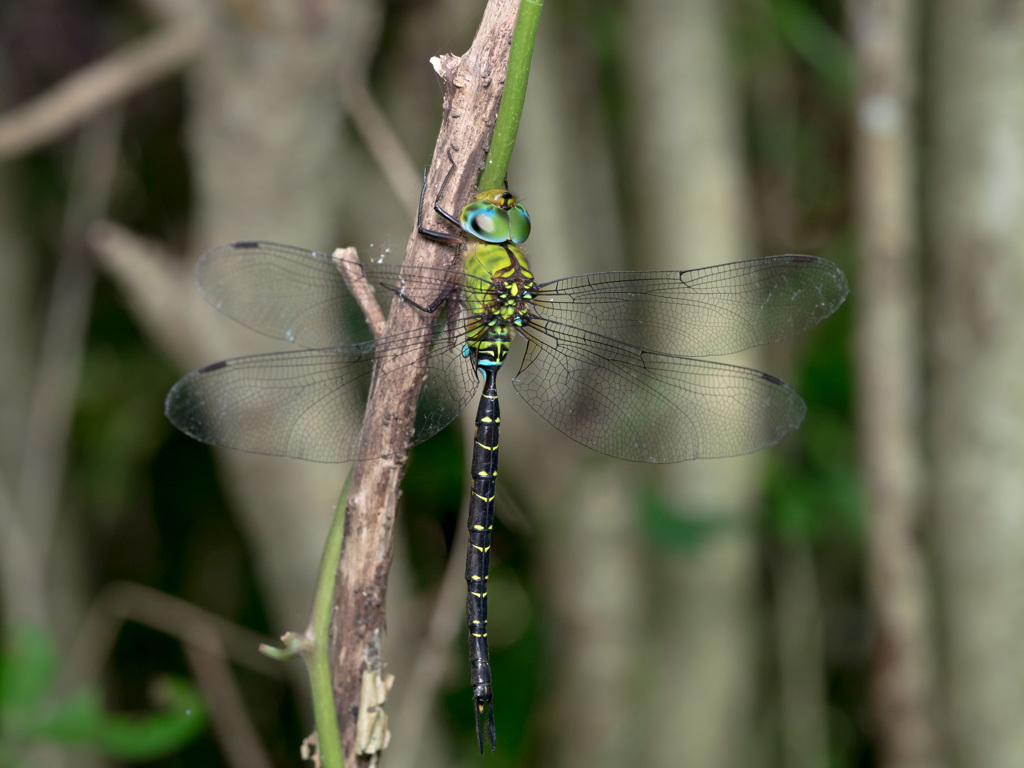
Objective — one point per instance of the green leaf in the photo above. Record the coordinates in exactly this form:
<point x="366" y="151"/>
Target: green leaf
<point x="30" y="713"/>
<point x="81" y="720"/>
<point x="820" y="46"/>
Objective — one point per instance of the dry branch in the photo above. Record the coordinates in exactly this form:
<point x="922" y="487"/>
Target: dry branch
<point x="347" y="261"/>
<point x="473" y="85"/>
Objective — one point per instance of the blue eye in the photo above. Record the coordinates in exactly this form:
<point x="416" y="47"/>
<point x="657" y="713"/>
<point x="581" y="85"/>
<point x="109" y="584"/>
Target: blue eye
<point x="486" y="221"/>
<point x="494" y="216"/>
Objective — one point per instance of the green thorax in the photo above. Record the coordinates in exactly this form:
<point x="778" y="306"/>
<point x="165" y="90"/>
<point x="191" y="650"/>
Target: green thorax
<point x="501" y="266"/>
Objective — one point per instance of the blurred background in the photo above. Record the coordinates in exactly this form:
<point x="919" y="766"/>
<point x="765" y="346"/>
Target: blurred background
<point x="849" y="598"/>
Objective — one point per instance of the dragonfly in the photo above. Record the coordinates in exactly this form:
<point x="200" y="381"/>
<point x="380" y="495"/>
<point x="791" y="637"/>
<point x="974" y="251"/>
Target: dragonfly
<point x="613" y="360"/>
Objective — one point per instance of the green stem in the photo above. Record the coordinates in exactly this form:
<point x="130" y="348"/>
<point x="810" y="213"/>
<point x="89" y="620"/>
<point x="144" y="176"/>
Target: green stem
<point x="317" y="658"/>
<point x="511" y="110"/>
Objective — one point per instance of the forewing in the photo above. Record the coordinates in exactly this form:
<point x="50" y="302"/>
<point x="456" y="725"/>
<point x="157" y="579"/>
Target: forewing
<point x="710" y="311"/>
<point x="300" y="296"/>
<point x="283" y="292"/>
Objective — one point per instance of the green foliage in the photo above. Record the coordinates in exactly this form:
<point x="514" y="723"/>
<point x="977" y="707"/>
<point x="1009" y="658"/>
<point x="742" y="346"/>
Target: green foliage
<point x="820" y="46"/>
<point x="805" y="502"/>
<point x="32" y="712"/>
<point x="671" y="530"/>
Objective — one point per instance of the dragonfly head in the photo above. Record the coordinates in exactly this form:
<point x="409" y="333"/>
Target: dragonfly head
<point x="494" y="216"/>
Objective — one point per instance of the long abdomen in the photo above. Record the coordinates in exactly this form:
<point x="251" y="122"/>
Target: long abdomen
<point x="481" y="518"/>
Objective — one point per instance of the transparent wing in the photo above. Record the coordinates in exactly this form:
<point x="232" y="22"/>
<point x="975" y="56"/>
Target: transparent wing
<point x="300" y="296"/>
<point x="589" y="368"/>
<point x="710" y="311"/>
<point x="644" y="406"/>
<point x="309" y="404"/>
<point x="283" y="292"/>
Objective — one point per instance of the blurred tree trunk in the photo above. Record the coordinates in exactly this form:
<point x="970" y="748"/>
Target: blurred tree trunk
<point x="799" y="643"/>
<point x="888" y="355"/>
<point x="692" y="207"/>
<point x="976" y="233"/>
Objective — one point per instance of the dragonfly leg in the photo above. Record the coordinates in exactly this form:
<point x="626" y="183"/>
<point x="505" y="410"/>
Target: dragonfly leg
<point x="444" y="237"/>
<point x="430" y="308"/>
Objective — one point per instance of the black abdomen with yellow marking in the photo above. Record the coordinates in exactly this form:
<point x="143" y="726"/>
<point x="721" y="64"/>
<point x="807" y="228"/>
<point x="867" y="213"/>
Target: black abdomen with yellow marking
<point x="481" y="519"/>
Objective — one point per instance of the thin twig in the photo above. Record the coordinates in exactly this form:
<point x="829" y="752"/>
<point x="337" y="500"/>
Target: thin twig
<point x="207" y="640"/>
<point x="236" y="734"/>
<point x="319" y="661"/>
<point x="64" y="332"/>
<point x="506" y="126"/>
<point x="151" y="278"/>
<point x="347" y="261"/>
<point x="97" y="86"/>
<point x="122" y="601"/>
<point x="382" y="142"/>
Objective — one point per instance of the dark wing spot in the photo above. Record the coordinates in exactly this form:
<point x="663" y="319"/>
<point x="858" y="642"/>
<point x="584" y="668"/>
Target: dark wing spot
<point x="213" y="367"/>
<point x="773" y="379"/>
<point x="799" y="258"/>
<point x="246" y="244"/>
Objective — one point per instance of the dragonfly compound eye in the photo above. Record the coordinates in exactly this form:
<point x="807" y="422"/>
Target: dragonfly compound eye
<point x="494" y="216"/>
<point x="486" y="221"/>
<point x="519" y="224"/>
